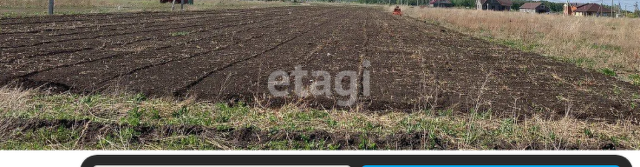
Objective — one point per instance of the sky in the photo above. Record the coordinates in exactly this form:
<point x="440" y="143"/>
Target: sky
<point x="629" y="3"/>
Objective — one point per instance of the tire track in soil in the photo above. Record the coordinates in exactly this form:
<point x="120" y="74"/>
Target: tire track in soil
<point x="237" y="42"/>
<point x="395" y="69"/>
<point x="125" y="31"/>
<point x="245" y="79"/>
<point x="103" y="73"/>
<point x="75" y="27"/>
<point x="120" y="24"/>
<point x="238" y="53"/>
<point x="110" y="16"/>
<point x="181" y="92"/>
<point x="102" y="16"/>
<point x="115" y="54"/>
<point x="85" y="24"/>
<point x="157" y="25"/>
<point x="345" y="52"/>
<point x="96" y="43"/>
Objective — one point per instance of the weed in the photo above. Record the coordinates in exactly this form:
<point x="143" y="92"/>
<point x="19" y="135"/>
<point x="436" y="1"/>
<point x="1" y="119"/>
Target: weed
<point x="517" y="44"/>
<point x="155" y="114"/>
<point x="87" y="100"/>
<point x="447" y="112"/>
<point x="182" y="111"/>
<point x="332" y="123"/>
<point x="606" y="47"/>
<point x="366" y="144"/>
<point x="181" y="33"/>
<point x="139" y="98"/>
<point x="580" y="61"/>
<point x="635" y="79"/>
<point x="133" y="117"/>
<point x="224" y="128"/>
<point x="588" y="132"/>
<point x="334" y="146"/>
<point x="609" y="72"/>
<point x="616" y="90"/>
<point x="507" y="126"/>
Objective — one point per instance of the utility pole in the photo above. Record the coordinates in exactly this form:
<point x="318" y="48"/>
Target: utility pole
<point x="600" y="9"/>
<point x="181" y="5"/>
<point x="620" y="9"/>
<point x="612" y="15"/>
<point x="51" y="3"/>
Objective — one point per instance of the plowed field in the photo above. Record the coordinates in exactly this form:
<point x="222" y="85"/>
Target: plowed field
<point x="228" y="55"/>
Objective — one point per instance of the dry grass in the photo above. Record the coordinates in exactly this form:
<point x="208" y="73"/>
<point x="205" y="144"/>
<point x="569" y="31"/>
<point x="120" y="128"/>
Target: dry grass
<point x="469" y="131"/>
<point x="13" y="98"/>
<point x="592" y="42"/>
<point x="91" y="3"/>
<point x="17" y="8"/>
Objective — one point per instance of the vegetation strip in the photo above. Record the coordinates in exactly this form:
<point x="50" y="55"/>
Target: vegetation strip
<point x="37" y="120"/>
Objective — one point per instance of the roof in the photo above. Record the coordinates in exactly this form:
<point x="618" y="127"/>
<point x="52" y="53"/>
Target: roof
<point x="530" y="5"/>
<point x="576" y="4"/>
<point x="440" y="1"/>
<point x="502" y="2"/>
<point x="592" y="7"/>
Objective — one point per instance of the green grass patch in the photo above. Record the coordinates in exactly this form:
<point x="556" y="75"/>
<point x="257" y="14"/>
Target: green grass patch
<point x="181" y="33"/>
<point x="635" y="79"/>
<point x="608" y="47"/>
<point x="609" y="72"/>
<point x="516" y="44"/>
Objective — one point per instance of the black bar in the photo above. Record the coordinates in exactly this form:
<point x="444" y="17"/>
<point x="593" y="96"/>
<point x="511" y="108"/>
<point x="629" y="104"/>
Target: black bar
<point x="356" y="160"/>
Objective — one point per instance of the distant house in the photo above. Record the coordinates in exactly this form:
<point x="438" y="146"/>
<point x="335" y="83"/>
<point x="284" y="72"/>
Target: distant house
<point x="441" y="3"/>
<point x="534" y="7"/>
<point x="570" y="8"/>
<point x="498" y="5"/>
<point x="592" y="9"/>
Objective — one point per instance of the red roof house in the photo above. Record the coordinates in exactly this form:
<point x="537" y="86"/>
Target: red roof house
<point x="592" y="9"/>
<point x="499" y="5"/>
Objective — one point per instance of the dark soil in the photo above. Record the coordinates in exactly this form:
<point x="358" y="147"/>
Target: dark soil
<point x="227" y="55"/>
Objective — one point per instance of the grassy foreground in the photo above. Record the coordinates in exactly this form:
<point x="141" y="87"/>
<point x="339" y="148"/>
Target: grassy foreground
<point x="33" y="119"/>
<point x="608" y="45"/>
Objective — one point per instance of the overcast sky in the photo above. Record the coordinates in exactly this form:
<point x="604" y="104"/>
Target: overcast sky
<point x="628" y="3"/>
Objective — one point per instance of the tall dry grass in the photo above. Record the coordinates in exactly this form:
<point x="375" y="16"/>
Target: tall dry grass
<point x="13" y="98"/>
<point x="20" y="8"/>
<point x="593" y="42"/>
<point x="96" y="3"/>
<point x="65" y="3"/>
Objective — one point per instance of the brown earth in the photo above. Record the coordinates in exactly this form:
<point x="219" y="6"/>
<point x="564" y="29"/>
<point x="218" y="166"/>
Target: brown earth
<point x="227" y="55"/>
